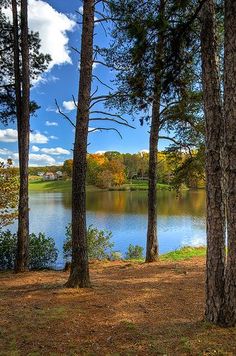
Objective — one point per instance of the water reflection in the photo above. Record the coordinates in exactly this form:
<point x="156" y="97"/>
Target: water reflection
<point x="169" y="203"/>
<point x="181" y="220"/>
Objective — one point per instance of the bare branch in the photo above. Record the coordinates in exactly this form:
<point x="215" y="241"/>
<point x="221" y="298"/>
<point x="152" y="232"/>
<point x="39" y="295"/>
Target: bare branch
<point x="101" y="98"/>
<point x="124" y="123"/>
<point x="75" y="103"/>
<point x="107" y="113"/>
<point x="104" y="29"/>
<point x="106" y="129"/>
<point x="63" y="114"/>
<point x="100" y="81"/>
<point x="76" y="50"/>
<point x="95" y="91"/>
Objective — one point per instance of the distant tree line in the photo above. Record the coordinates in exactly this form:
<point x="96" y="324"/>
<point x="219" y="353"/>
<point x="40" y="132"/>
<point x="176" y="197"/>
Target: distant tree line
<point x="115" y="169"/>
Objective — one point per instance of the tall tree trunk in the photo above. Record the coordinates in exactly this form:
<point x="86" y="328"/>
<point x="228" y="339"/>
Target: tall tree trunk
<point x="229" y="306"/>
<point x="152" y="242"/>
<point x="214" y="194"/>
<point x="152" y="251"/>
<point x="22" y="86"/>
<point x="79" y="274"/>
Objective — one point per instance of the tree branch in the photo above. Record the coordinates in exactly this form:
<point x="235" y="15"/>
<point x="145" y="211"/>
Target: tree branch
<point x="125" y="123"/>
<point x="100" y="81"/>
<point x="106" y="129"/>
<point x="63" y="114"/>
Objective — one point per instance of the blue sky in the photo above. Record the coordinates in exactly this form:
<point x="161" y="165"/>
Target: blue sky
<point x="52" y="136"/>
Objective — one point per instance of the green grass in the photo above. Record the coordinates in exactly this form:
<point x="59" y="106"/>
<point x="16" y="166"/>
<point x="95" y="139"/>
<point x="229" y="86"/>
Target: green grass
<point x="184" y="253"/>
<point x="55" y="186"/>
<point x="65" y="186"/>
<point x="181" y="254"/>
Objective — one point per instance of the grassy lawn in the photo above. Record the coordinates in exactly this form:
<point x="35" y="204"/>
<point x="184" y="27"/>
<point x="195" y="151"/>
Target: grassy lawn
<point x="55" y="186"/>
<point x="65" y="186"/>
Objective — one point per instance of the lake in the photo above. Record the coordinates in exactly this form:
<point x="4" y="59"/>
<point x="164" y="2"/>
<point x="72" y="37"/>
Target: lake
<point x="181" y="219"/>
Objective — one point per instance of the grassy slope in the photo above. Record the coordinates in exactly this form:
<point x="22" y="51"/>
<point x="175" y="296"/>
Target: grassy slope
<point x="184" y="253"/>
<point x="64" y="186"/>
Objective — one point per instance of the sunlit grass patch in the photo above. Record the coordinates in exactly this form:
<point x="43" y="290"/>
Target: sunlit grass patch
<point x="184" y="253"/>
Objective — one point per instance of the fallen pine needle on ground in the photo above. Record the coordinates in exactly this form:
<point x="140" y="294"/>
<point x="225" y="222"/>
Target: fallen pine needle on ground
<point x="132" y="309"/>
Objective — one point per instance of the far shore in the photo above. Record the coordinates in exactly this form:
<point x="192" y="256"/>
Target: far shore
<point x="65" y="186"/>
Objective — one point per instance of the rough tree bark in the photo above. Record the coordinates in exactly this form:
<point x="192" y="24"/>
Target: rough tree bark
<point x="229" y="306"/>
<point x="152" y="251"/>
<point x="214" y="194"/>
<point x="152" y="242"/>
<point x="22" y="88"/>
<point x="79" y="274"/>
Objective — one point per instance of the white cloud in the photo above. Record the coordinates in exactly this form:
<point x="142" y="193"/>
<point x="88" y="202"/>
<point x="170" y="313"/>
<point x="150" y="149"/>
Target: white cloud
<point x="100" y="152"/>
<point x="51" y="109"/>
<point x="5" y="152"/>
<point x="35" y="149"/>
<point x="55" y="151"/>
<point x="38" y="138"/>
<point x="44" y="19"/>
<point x="53" y="137"/>
<point x="51" y="123"/>
<point x="143" y="151"/>
<point x="41" y="160"/>
<point x="8" y="135"/>
<point x="69" y="105"/>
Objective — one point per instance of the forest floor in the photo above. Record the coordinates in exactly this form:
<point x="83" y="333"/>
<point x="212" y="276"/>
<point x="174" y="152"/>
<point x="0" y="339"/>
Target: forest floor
<point x="132" y="309"/>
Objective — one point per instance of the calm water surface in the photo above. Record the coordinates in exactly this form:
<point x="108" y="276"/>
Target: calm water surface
<point x="181" y="220"/>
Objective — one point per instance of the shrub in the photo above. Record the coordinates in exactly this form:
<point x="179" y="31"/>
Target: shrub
<point x="115" y="256"/>
<point x="134" y="252"/>
<point x="7" y="249"/>
<point x="42" y="251"/>
<point x="99" y="243"/>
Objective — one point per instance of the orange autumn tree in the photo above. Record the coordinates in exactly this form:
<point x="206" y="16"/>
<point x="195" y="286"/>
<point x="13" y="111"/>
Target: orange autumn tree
<point x="104" y="172"/>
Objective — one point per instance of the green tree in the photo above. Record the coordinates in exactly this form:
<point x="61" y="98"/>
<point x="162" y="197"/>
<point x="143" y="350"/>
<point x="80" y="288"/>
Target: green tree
<point x="22" y="61"/>
<point x="99" y="243"/>
<point x="9" y="189"/>
<point x="151" y="51"/>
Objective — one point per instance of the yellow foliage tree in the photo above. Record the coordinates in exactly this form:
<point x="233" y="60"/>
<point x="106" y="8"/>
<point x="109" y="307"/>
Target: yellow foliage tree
<point x="9" y="192"/>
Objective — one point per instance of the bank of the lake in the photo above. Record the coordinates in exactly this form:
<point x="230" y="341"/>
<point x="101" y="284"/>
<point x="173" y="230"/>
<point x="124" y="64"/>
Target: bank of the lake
<point x="65" y="186"/>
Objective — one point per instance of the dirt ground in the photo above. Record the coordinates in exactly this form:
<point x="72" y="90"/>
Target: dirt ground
<point x="131" y="309"/>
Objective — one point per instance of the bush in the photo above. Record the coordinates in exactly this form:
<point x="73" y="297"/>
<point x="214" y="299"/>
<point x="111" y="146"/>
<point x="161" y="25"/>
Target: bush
<point x="7" y="250"/>
<point x="115" y="256"/>
<point x="42" y="251"/>
<point x="134" y="252"/>
<point x="99" y="243"/>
